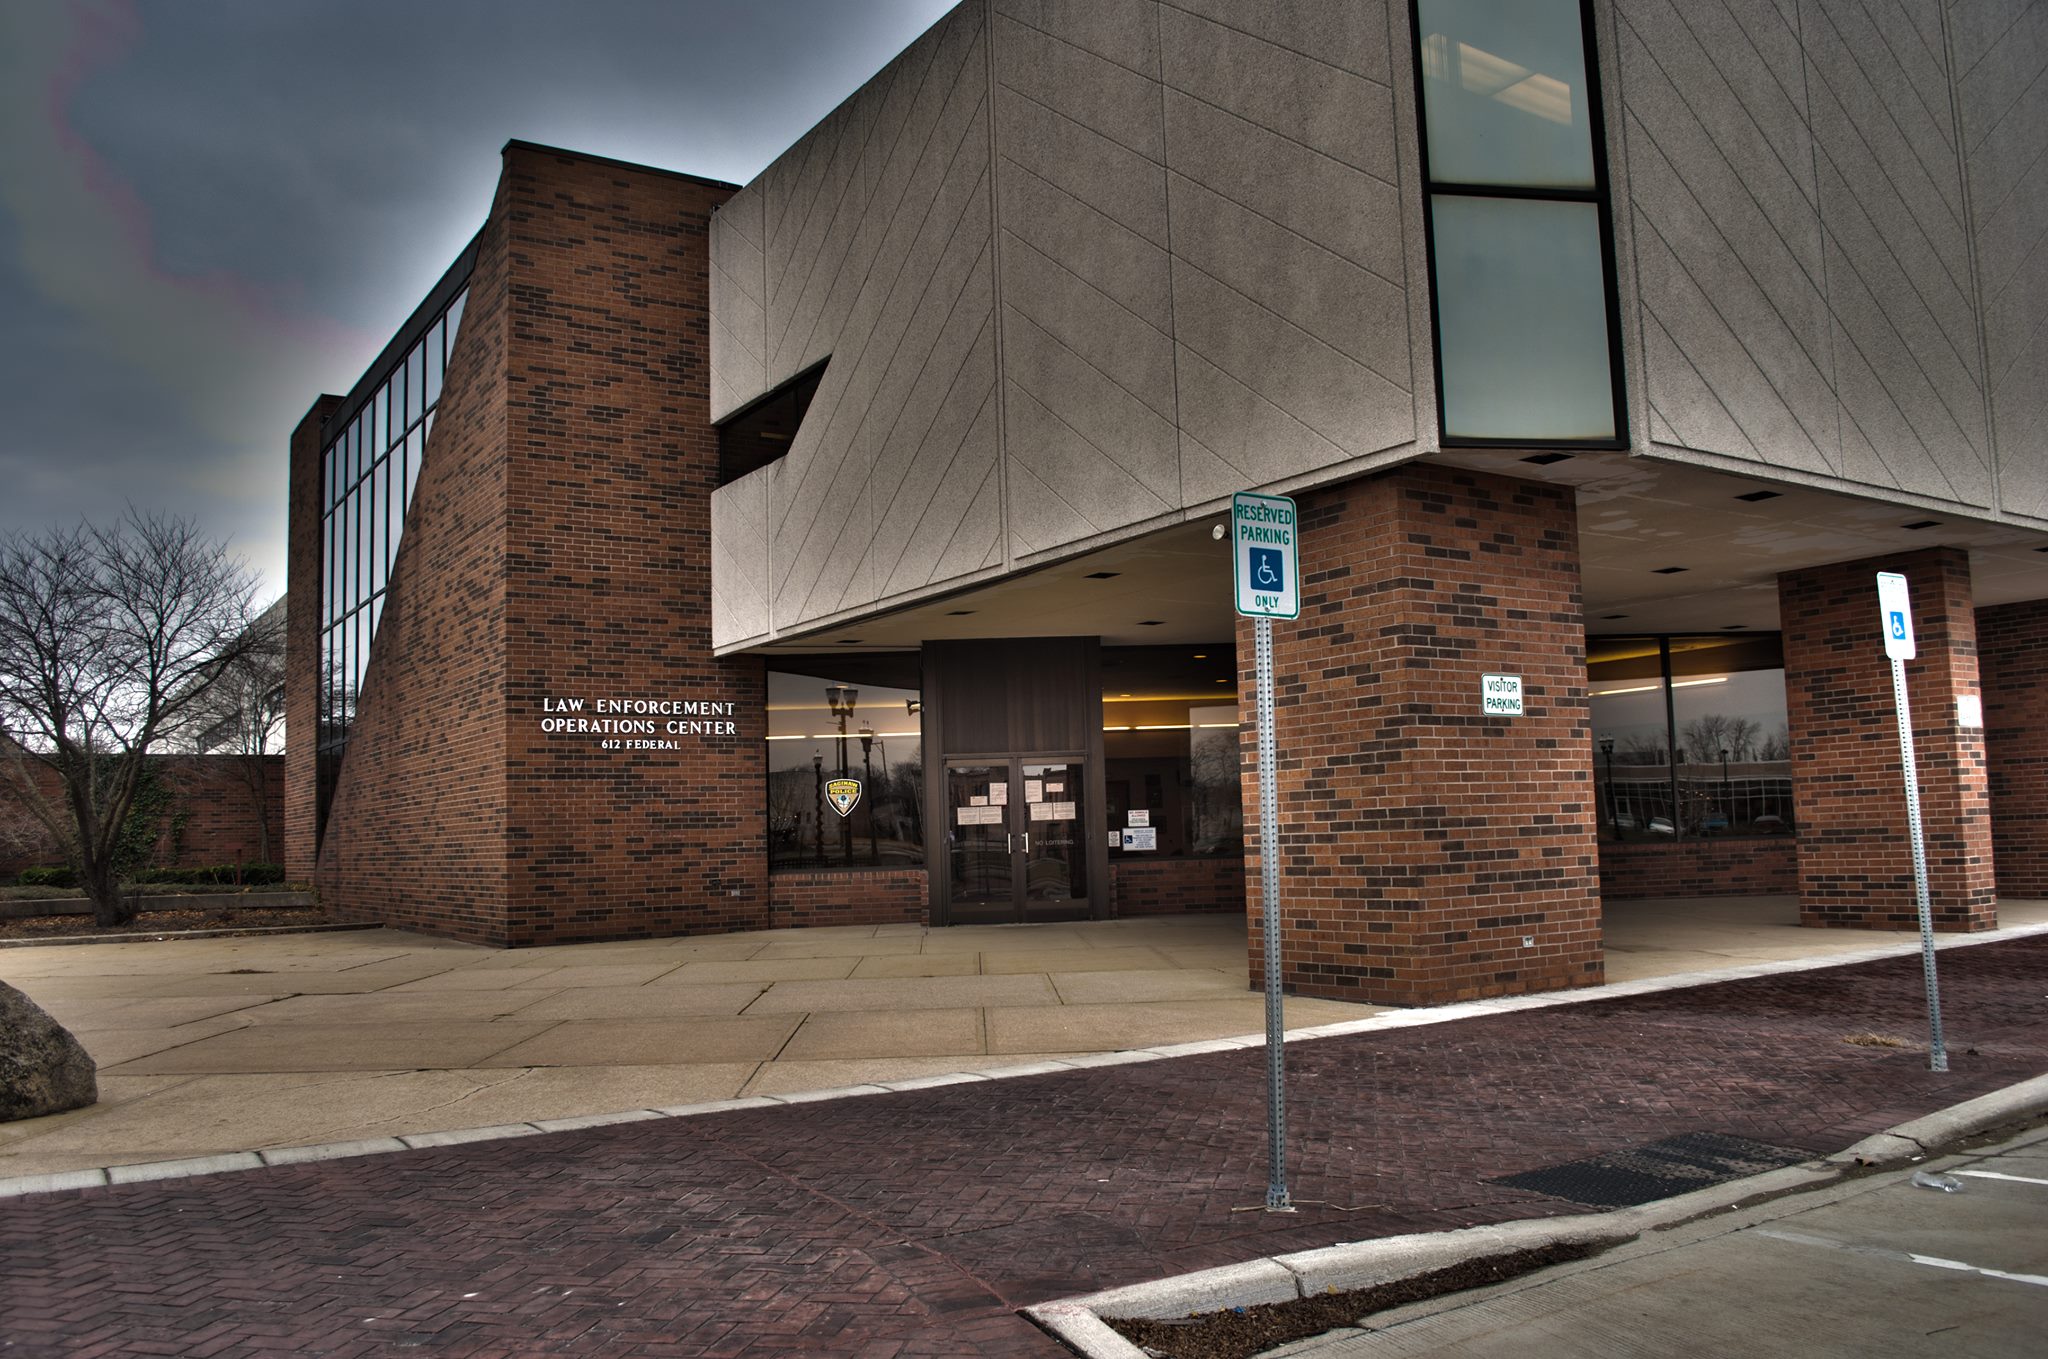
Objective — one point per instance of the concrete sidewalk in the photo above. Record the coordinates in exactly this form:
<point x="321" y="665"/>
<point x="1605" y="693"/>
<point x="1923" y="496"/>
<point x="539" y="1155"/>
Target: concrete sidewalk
<point x="214" y="1046"/>
<point x="916" y="1223"/>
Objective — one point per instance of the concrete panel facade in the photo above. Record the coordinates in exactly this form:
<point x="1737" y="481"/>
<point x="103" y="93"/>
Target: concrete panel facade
<point x="1820" y="215"/>
<point x="1079" y="271"/>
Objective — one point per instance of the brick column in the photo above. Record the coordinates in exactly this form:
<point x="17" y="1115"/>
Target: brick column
<point x="302" y="643"/>
<point x="2012" y="660"/>
<point x="1855" y="860"/>
<point x="1424" y="841"/>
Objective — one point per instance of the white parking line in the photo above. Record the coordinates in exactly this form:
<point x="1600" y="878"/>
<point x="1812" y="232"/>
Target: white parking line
<point x="1933" y="1261"/>
<point x="1994" y="1175"/>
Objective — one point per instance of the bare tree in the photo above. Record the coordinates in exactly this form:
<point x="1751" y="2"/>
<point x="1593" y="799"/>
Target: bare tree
<point x="109" y="637"/>
<point x="242" y="714"/>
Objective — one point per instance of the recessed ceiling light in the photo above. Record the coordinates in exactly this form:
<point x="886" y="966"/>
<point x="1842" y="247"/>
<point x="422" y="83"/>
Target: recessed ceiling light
<point x="959" y="613"/>
<point x="1223" y="681"/>
<point x="849" y="641"/>
<point x="1670" y="570"/>
<point x="1150" y="622"/>
<point x="1203" y="655"/>
<point x="1733" y="627"/>
<point x="1760" y="495"/>
<point x="1922" y="524"/>
<point x="1610" y="617"/>
<point x="1545" y="459"/>
<point x="2041" y="549"/>
<point x="1102" y="575"/>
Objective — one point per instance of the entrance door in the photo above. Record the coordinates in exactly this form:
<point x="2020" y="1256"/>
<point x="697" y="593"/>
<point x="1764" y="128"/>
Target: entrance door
<point x="1015" y="841"/>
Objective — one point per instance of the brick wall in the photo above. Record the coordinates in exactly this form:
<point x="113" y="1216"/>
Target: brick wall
<point x="2012" y="659"/>
<point x="302" y="621"/>
<point x="1699" y="868"/>
<point x="556" y="553"/>
<point x="212" y="794"/>
<point x="880" y="896"/>
<point x="1175" y="886"/>
<point x="1855" y="859"/>
<point x="1423" y="839"/>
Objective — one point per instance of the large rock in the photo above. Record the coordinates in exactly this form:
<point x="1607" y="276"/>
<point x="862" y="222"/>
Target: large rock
<point x="43" y="1070"/>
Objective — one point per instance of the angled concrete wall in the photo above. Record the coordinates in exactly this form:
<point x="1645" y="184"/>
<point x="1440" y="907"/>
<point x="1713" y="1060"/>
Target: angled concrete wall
<point x="1174" y="230"/>
<point x="1820" y="208"/>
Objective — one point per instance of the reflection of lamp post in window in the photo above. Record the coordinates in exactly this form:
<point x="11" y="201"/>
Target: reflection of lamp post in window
<point x="1613" y="811"/>
<point x="867" y="779"/>
<point x="818" y="778"/>
<point x="840" y="698"/>
<point x="1727" y="794"/>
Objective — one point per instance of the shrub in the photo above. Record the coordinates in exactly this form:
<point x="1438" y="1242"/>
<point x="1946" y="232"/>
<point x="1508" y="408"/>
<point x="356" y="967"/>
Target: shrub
<point x="47" y="877"/>
<point x="212" y="875"/>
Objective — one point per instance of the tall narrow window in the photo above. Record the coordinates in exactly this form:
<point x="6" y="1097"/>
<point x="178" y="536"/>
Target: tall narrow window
<point x="1521" y="253"/>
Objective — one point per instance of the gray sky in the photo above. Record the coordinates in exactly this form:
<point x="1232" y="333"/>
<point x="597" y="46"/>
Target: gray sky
<point x="211" y="211"/>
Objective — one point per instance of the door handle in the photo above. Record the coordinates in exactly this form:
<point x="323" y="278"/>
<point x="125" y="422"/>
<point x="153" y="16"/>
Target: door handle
<point x="1027" y="842"/>
<point x="1009" y="843"/>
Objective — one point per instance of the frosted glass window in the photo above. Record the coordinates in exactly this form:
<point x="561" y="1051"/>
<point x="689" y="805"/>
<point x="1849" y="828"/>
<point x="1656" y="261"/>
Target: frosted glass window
<point x="1522" y="319"/>
<point x="1504" y="93"/>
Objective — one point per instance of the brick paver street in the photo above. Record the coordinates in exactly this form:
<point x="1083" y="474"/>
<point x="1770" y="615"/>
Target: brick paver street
<point x="915" y="1223"/>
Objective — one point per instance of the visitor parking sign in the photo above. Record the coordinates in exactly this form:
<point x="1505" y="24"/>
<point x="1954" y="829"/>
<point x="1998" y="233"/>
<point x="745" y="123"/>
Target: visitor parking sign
<point x="1262" y="534"/>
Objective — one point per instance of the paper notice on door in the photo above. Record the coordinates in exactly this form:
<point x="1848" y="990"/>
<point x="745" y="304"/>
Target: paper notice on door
<point x="999" y="795"/>
<point x="1058" y="811"/>
<point x="1116" y="839"/>
<point x="1143" y="838"/>
<point x="979" y="816"/>
<point x="978" y="800"/>
<point x="1054" y="789"/>
<point x="1034" y="790"/>
<point x="1138" y="816"/>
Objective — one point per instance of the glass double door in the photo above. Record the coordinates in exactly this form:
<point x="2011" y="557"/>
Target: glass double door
<point x="1015" y="837"/>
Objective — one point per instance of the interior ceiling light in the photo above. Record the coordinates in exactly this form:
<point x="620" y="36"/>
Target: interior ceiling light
<point x="1203" y="655"/>
<point x="1611" y="617"/>
<point x="849" y="641"/>
<point x="959" y="613"/>
<point x="1670" y="570"/>
<point x="1151" y="622"/>
<point x="2041" y="549"/>
<point x="1754" y="496"/>
<point x="1733" y="627"/>
<point x="1545" y="459"/>
<point x="1102" y="575"/>
<point x="1922" y="524"/>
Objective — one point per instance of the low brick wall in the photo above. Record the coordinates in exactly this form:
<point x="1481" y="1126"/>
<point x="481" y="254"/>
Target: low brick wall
<point x="876" y="896"/>
<point x="1175" y="886"/>
<point x="208" y="790"/>
<point x="1761" y="866"/>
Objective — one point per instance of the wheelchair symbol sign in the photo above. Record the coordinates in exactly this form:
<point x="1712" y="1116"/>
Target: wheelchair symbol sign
<point x="1896" y="608"/>
<point x="1264" y="553"/>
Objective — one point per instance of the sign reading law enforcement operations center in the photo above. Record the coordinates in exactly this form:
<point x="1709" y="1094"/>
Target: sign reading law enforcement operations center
<point x="637" y="723"/>
<point x="1264" y="554"/>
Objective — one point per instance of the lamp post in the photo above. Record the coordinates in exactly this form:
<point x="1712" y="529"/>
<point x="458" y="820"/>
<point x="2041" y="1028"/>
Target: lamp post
<point x="867" y="779"/>
<point x="1613" y="807"/>
<point x="840" y="698"/>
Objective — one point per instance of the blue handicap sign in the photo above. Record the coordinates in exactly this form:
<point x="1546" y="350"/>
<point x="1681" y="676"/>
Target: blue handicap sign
<point x="1268" y="569"/>
<point x="1898" y="625"/>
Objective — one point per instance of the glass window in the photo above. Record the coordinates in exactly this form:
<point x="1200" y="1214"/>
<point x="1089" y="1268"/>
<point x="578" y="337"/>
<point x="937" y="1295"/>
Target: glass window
<point x="1522" y="319"/>
<point x="1690" y="736"/>
<point x="864" y="727"/>
<point x="415" y="384"/>
<point x="415" y="448"/>
<point x="1170" y="751"/>
<point x="434" y="339"/>
<point x="455" y="318"/>
<point x="1504" y="89"/>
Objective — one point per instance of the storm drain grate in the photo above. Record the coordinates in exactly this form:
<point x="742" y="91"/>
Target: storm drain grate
<point x="1657" y="1170"/>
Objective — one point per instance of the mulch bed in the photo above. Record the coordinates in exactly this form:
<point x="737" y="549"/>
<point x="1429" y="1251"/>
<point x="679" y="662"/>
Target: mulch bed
<point x="1243" y="1332"/>
<point x="165" y="921"/>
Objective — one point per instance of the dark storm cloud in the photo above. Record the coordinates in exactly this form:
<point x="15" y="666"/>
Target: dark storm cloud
<point x="210" y="212"/>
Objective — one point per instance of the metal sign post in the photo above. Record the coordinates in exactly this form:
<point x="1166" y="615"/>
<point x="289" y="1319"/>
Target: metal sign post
<point x="1896" y="610"/>
<point x="1266" y="567"/>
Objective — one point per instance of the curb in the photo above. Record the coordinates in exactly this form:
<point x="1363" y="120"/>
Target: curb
<point x="173" y="936"/>
<point x="1078" y="1321"/>
<point x="1396" y="1019"/>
